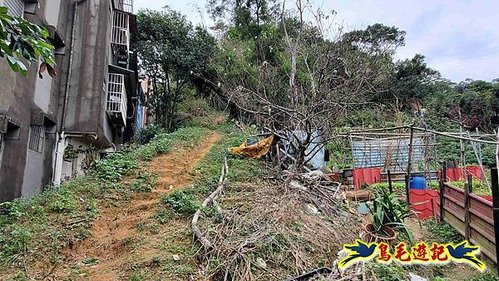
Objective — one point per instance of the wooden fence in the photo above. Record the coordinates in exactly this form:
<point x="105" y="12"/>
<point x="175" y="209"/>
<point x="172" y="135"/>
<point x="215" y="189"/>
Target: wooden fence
<point x="471" y="215"/>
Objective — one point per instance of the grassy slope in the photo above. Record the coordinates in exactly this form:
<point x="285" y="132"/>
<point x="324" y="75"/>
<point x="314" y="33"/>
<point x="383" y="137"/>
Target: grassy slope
<point x="36" y="229"/>
<point x="39" y="228"/>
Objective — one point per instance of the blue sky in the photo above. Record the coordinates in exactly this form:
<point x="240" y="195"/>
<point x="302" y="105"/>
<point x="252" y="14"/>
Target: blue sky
<point x="460" y="38"/>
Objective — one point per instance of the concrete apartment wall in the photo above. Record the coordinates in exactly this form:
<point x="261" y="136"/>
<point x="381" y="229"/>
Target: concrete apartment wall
<point x="87" y="95"/>
<point x="27" y="101"/>
<point x="15" y="151"/>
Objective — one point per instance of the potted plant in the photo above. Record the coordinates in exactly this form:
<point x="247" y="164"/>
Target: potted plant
<point x="387" y="216"/>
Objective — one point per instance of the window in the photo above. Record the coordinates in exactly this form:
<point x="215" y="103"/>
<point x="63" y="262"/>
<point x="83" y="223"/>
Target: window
<point x="16" y="7"/>
<point x="37" y="138"/>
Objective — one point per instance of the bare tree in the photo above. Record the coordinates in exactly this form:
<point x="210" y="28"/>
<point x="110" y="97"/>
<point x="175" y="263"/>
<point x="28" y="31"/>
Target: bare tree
<point x="326" y="77"/>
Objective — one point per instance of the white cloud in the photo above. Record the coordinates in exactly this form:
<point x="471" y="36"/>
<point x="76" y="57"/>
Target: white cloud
<point x="194" y="10"/>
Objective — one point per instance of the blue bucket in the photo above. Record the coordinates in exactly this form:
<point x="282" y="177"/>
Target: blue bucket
<point x="417" y="182"/>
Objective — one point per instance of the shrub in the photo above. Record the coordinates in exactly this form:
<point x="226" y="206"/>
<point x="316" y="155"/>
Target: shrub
<point x="182" y="202"/>
<point x="388" y="272"/>
<point x="388" y="210"/>
<point x="14" y="240"/>
<point x="144" y="182"/>
<point x="148" y="133"/>
<point x="115" y="166"/>
<point x="442" y="232"/>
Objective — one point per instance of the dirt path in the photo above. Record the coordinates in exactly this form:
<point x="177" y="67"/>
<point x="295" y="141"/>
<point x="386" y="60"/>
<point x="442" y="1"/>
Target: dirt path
<point x="121" y="237"/>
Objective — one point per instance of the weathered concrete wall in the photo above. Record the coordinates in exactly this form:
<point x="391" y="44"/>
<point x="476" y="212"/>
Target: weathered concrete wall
<point x="14" y="156"/>
<point x="22" y="171"/>
<point x="87" y="92"/>
<point x="8" y="79"/>
<point x="32" y="181"/>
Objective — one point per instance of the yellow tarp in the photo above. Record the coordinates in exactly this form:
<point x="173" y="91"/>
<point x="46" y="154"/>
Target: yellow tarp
<point x="256" y="150"/>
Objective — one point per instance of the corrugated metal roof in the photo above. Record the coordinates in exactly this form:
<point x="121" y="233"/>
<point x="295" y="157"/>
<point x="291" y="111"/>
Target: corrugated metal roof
<point x="16" y="7"/>
<point x="387" y="154"/>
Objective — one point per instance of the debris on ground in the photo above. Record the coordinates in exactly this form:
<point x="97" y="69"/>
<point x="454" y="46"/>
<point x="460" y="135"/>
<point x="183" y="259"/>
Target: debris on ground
<point x="252" y="148"/>
<point x="269" y="228"/>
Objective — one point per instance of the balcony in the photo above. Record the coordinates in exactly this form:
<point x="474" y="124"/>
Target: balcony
<point x="116" y="99"/>
<point x="124" y="5"/>
<point x="120" y="40"/>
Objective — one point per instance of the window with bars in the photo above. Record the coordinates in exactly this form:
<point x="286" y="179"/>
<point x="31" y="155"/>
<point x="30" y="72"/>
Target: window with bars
<point x="37" y="138"/>
<point x="16" y="7"/>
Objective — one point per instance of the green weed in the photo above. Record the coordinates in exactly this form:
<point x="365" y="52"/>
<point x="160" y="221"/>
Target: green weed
<point x="182" y="202"/>
<point x="61" y="216"/>
<point x="163" y="216"/>
<point x="147" y="134"/>
<point x="486" y="276"/>
<point x="115" y="166"/>
<point x="390" y="272"/>
<point x="144" y="182"/>
<point x="479" y="187"/>
<point x="140" y="226"/>
<point x="91" y="261"/>
<point x="14" y="240"/>
<point x="441" y="232"/>
<point x="163" y="142"/>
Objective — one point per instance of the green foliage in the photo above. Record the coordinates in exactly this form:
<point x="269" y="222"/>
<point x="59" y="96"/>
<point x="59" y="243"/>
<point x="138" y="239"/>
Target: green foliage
<point x="388" y="210"/>
<point x="39" y="222"/>
<point x="115" y="166"/>
<point x="183" y="202"/>
<point x="148" y="133"/>
<point x="172" y="53"/>
<point x="22" y="40"/>
<point x="486" y="276"/>
<point x="384" y="185"/>
<point x="11" y="211"/>
<point x="40" y="226"/>
<point x="144" y="182"/>
<point x="197" y="112"/>
<point x="413" y="79"/>
<point x="340" y="154"/>
<point x="376" y="39"/>
<point x="163" y="142"/>
<point x="62" y="200"/>
<point x="163" y="216"/>
<point x="441" y="232"/>
<point x="15" y="241"/>
<point x="479" y="187"/>
<point x="392" y="272"/>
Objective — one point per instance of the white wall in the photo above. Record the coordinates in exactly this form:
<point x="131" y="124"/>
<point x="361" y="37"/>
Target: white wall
<point x="42" y="94"/>
<point x="33" y="173"/>
<point x="52" y="11"/>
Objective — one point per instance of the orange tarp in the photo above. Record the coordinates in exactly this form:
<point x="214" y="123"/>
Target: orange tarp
<point x="256" y="150"/>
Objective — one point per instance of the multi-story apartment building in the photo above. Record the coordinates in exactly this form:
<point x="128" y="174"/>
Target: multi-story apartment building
<point x="50" y="129"/>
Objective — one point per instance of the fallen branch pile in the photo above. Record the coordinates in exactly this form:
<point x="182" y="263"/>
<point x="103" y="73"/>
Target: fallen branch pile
<point x="268" y="229"/>
<point x="207" y="245"/>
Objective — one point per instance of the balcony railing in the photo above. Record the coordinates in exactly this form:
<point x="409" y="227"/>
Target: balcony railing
<point x="120" y="41"/>
<point x="121" y="29"/>
<point x="124" y="5"/>
<point x="116" y="98"/>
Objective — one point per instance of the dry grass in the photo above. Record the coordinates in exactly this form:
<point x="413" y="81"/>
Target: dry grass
<point x="267" y="232"/>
